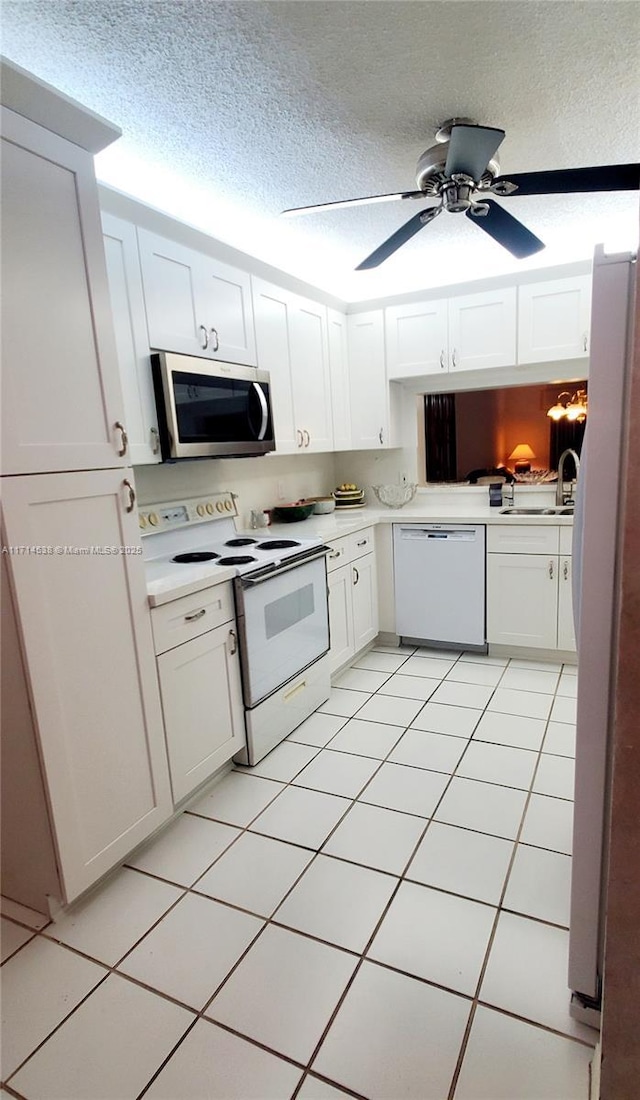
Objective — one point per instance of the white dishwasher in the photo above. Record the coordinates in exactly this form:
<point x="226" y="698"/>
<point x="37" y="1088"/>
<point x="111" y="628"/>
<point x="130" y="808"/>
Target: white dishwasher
<point x="439" y="572"/>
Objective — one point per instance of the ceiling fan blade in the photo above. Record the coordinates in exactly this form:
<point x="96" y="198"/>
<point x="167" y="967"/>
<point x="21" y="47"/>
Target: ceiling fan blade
<point x="471" y="148"/>
<point x="294" y="211"/>
<point x="611" y="177"/>
<point x="506" y="230"/>
<point x="400" y="237"/>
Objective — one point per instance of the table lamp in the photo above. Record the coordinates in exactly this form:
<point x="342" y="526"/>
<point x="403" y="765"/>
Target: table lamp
<point x="521" y="456"/>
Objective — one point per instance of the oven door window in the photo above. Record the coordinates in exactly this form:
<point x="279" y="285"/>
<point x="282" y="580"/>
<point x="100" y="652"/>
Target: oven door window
<point x="285" y="629"/>
<point x="218" y="410"/>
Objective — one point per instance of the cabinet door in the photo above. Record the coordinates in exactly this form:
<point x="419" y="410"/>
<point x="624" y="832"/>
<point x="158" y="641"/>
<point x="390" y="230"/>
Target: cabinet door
<point x="364" y="593"/>
<point x="202" y="705"/>
<point x="86" y="630"/>
<point x="522" y="600"/>
<point x="369" y="399"/>
<point x="132" y="344"/>
<point x="273" y="309"/>
<point x="340" y="583"/>
<point x="223" y="303"/>
<point x="554" y="319"/>
<point x="416" y="339"/>
<point x="61" y="392"/>
<point x="339" y="375"/>
<point x="310" y="374"/>
<point x="170" y="274"/>
<point x="482" y="330"/>
<point x="566" y="630"/>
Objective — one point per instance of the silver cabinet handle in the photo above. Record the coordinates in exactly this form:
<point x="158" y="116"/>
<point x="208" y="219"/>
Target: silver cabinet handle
<point x="204" y="342"/>
<point x="381" y="436"/>
<point x="454" y="358"/>
<point x="264" y="408"/>
<point x="442" y="366"/>
<point x="550" y="570"/>
<point x="307" y="437"/>
<point x="216" y="341"/>
<point x="234" y="643"/>
<point x="362" y="543"/>
<point x="155" y="440"/>
<point x="356" y="575"/>
<point x="124" y="438"/>
<point x="565" y="571"/>
<point x="300" y="437"/>
<point x="132" y="495"/>
<point x="336" y="554"/>
<point x="195" y="615"/>
<point x="584" y="342"/>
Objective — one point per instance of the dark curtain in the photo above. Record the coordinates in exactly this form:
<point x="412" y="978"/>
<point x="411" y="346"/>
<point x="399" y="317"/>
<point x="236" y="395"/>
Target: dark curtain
<point x="562" y="434"/>
<point x="440" y="436"/>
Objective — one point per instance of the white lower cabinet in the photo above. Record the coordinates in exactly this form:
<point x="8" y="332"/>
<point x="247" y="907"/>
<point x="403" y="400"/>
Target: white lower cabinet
<point x="84" y="620"/>
<point x="200" y="685"/>
<point x="529" y="600"/>
<point x="353" y="596"/>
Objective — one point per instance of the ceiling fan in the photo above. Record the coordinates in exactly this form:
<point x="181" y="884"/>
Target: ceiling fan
<point x="460" y="172"/>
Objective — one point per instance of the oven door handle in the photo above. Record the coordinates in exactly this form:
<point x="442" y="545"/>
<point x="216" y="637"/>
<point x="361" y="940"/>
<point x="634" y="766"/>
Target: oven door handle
<point x="314" y="555"/>
<point x="265" y="410"/>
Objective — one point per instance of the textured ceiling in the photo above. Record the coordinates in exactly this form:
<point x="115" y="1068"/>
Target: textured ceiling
<point x="233" y="111"/>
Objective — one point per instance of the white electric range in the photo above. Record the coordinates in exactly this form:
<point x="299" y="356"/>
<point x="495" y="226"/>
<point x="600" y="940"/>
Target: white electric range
<point x="280" y="591"/>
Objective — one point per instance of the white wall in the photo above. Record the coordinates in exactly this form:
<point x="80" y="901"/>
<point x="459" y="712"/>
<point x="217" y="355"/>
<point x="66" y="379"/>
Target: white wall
<point x="257" y="481"/>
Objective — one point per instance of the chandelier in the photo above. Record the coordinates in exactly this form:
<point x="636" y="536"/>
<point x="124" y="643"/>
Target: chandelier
<point x="575" y="407"/>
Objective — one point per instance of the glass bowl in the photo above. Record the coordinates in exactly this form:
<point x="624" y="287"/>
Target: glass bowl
<point x="395" y="496"/>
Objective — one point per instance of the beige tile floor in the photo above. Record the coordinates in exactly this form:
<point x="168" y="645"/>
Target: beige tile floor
<point x="379" y="910"/>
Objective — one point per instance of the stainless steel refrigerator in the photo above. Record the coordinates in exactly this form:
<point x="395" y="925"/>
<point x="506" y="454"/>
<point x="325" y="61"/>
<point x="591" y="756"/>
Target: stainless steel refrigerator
<point x="596" y="543"/>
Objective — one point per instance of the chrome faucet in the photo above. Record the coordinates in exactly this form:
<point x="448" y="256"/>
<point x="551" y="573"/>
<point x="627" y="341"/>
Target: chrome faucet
<point x="561" y="499"/>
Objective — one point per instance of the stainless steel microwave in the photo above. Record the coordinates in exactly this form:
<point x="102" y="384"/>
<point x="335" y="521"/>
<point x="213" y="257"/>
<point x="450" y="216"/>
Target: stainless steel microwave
<point x="211" y="409"/>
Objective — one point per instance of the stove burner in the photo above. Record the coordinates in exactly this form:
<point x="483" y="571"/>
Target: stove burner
<point x="236" y="559"/>
<point x="278" y="544"/>
<point x="195" y="556"/>
<point x="240" y="542"/>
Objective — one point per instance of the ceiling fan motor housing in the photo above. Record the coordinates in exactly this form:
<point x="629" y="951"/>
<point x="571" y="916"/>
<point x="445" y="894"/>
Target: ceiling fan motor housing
<point x="430" y="174"/>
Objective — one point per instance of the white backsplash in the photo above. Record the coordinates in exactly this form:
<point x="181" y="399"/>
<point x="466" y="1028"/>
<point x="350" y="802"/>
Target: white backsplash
<point x="257" y="481"/>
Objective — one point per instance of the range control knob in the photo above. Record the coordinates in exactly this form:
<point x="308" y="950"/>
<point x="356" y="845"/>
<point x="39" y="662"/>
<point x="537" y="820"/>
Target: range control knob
<point x="153" y="519"/>
<point x="209" y="507"/>
<point x="228" y="506"/>
<point x="200" y="509"/>
<point x="219" y="506"/>
<point x="142" y="521"/>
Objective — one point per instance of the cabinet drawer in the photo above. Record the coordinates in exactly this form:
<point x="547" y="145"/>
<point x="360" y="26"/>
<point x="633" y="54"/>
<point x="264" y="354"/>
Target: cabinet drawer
<point x="338" y="555"/>
<point x="190" y="616"/>
<point x="566" y="540"/>
<point x="360" y="543"/>
<point x="525" y="539"/>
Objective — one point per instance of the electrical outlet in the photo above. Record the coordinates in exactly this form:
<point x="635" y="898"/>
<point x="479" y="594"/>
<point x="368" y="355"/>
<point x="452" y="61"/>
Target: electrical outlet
<point x="281" y="490"/>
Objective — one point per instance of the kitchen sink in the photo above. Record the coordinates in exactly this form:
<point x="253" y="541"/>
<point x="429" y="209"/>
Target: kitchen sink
<point x="565" y="510"/>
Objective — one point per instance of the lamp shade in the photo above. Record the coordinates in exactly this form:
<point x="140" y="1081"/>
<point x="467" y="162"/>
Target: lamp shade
<point x="522" y="453"/>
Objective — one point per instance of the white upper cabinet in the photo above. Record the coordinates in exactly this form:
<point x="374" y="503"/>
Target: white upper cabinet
<point x="86" y="631"/>
<point x="132" y="343"/>
<point x="62" y="403"/>
<point x="554" y="320"/>
<point x="194" y="304"/>
<point x="339" y="373"/>
<point x="310" y="374"/>
<point x="371" y="421"/>
<point x="482" y="330"/>
<point x="417" y="339"/>
<point x="291" y="336"/>
<point x="470" y="332"/>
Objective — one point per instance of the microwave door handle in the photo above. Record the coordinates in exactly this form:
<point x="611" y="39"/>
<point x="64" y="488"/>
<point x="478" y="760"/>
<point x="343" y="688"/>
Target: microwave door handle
<point x="265" y="411"/>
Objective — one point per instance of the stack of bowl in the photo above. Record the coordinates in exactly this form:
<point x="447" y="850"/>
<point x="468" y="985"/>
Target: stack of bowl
<point x="348" y="498"/>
